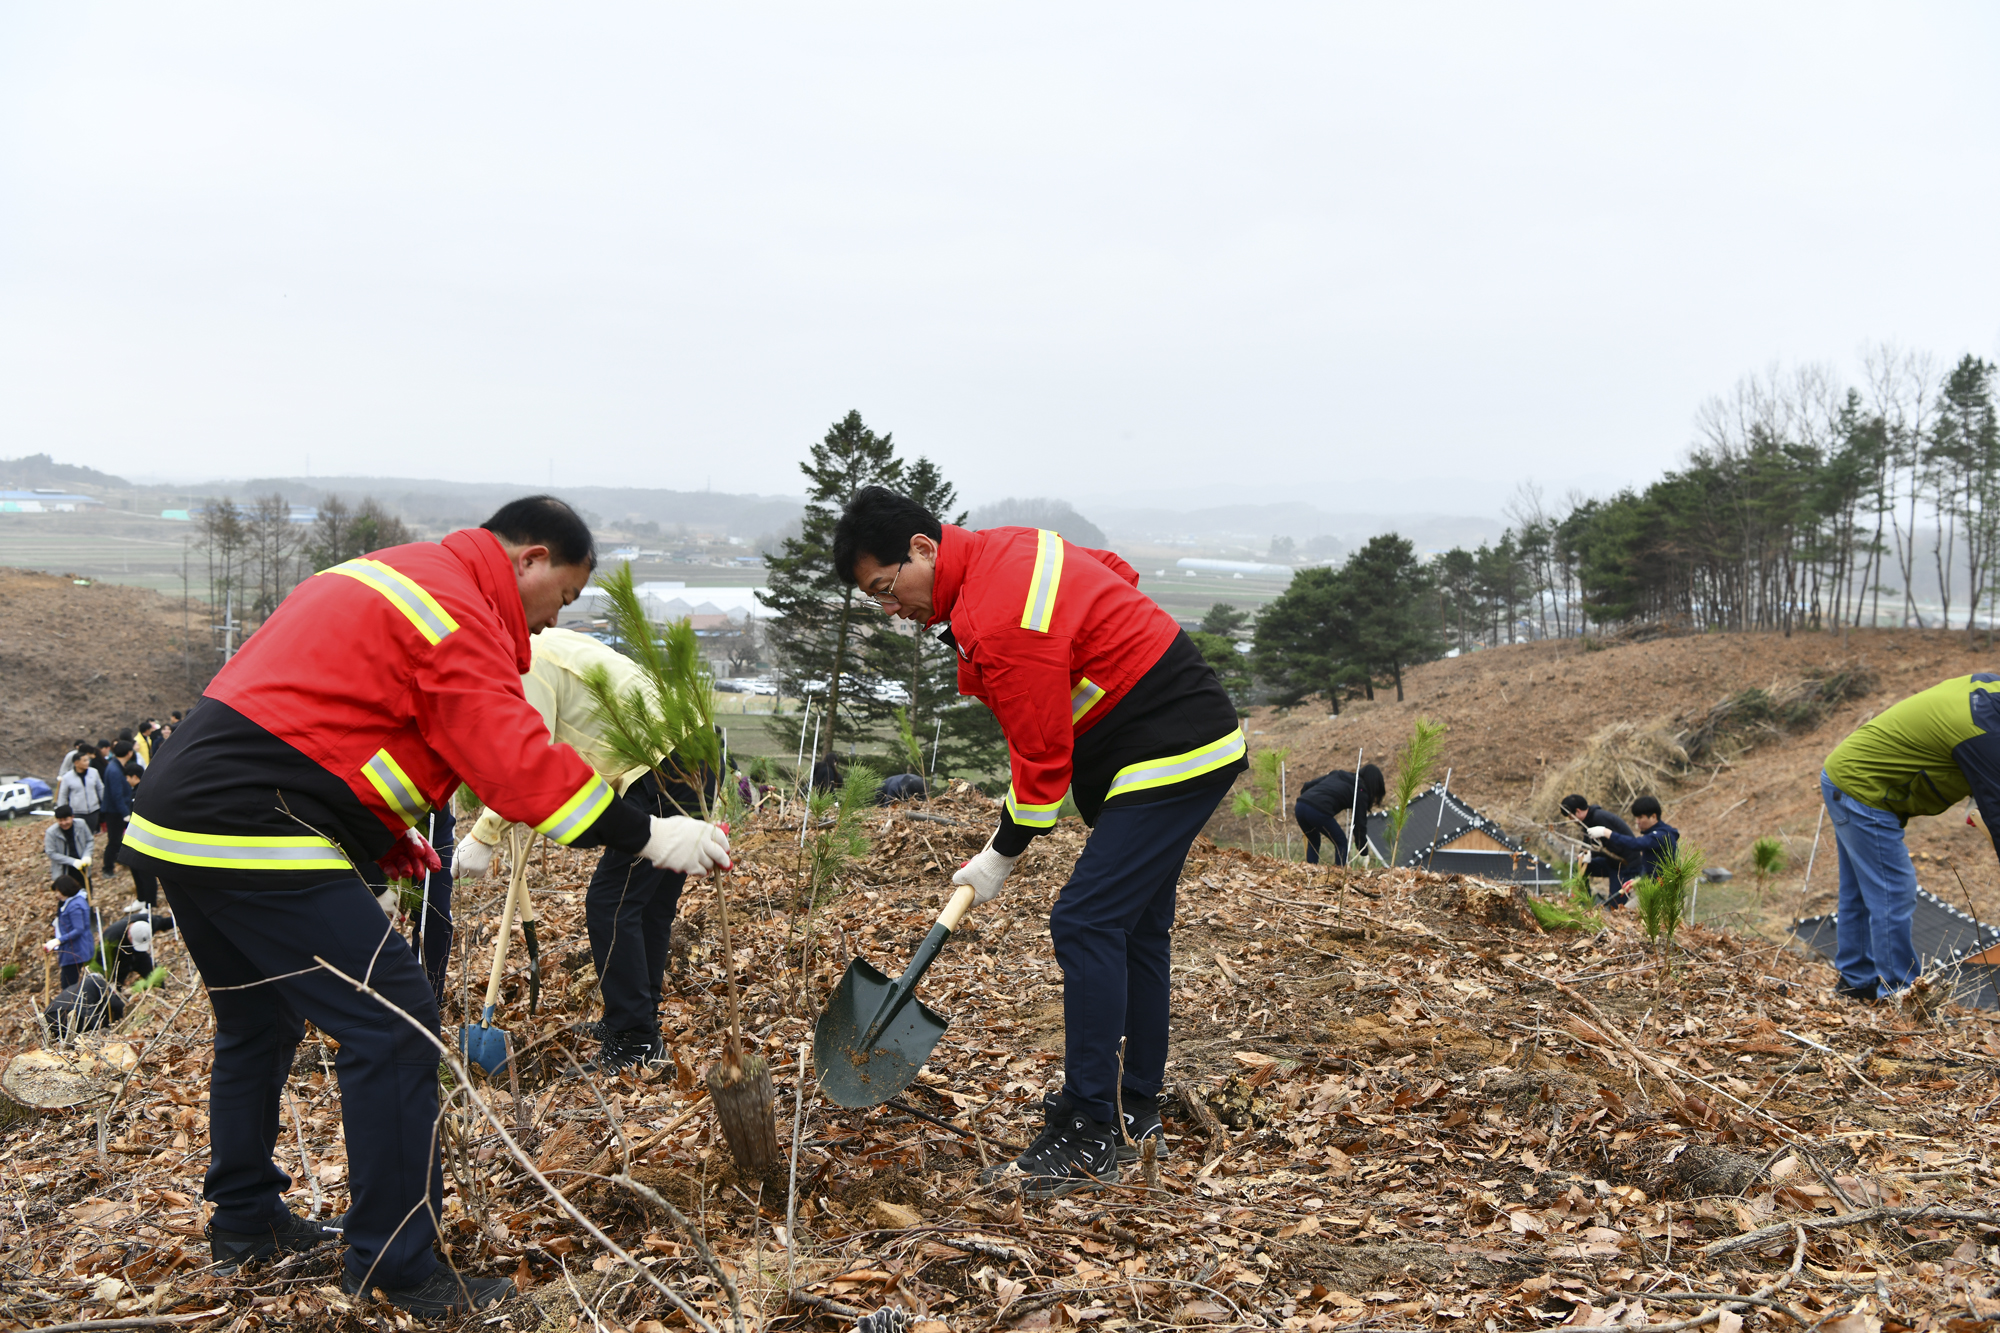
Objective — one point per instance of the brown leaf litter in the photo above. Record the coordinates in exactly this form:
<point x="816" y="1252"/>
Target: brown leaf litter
<point x="1396" y="1104"/>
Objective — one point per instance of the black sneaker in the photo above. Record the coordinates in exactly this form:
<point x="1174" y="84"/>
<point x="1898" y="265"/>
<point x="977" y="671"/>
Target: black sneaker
<point x="622" y="1050"/>
<point x="1859" y="994"/>
<point x="1142" y="1122"/>
<point x="291" y="1233"/>
<point x="595" y="1030"/>
<point x="1073" y="1152"/>
<point x="443" y="1292"/>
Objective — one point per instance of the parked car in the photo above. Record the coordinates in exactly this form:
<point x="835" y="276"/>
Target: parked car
<point x="884" y="691"/>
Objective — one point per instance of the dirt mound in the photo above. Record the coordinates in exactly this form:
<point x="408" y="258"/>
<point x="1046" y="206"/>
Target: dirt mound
<point x="1527" y="721"/>
<point x="87" y="660"/>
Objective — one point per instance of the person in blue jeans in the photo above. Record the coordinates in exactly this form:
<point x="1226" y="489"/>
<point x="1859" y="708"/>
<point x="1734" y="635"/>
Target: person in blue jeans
<point x="1918" y="757"/>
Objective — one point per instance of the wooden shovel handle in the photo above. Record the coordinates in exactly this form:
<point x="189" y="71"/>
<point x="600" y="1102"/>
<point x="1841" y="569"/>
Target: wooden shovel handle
<point x="955" y="910"/>
<point x="517" y="887"/>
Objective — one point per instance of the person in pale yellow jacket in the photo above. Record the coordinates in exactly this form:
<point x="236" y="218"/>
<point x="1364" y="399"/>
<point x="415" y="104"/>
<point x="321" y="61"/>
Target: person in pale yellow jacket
<point x="630" y="904"/>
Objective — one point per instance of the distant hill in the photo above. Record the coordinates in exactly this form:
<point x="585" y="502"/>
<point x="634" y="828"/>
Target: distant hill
<point x="41" y="470"/>
<point x="435" y="503"/>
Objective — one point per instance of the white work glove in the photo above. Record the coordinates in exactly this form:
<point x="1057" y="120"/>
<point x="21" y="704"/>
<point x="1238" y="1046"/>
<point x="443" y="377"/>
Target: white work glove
<point x="986" y="872"/>
<point x="1599" y="832"/>
<point x="687" y="845"/>
<point x="72" y="862"/>
<point x="53" y="945"/>
<point x="471" y="859"/>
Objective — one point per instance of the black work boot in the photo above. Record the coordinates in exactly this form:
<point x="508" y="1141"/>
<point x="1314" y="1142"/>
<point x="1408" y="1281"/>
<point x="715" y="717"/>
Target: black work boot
<point x="622" y="1050"/>
<point x="1073" y="1152"/>
<point x="1859" y="994"/>
<point x="291" y="1233"/>
<point x="443" y="1292"/>
<point x="1142" y="1122"/>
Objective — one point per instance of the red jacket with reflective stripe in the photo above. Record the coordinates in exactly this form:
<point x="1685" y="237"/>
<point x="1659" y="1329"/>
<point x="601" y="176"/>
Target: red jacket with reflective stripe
<point x="1050" y="636"/>
<point x="401" y="672"/>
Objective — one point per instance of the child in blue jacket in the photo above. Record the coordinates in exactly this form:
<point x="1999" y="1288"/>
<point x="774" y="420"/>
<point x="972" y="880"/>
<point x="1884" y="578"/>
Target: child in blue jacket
<point x="72" y="944"/>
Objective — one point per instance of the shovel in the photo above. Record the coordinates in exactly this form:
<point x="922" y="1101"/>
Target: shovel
<point x="527" y="908"/>
<point x="872" y="1039"/>
<point x="486" y="1045"/>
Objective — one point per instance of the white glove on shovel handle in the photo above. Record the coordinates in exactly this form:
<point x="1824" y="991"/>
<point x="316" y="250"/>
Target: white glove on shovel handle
<point x="986" y="873"/>
<point x="687" y="845"/>
<point x="1599" y="832"/>
<point x="472" y="859"/>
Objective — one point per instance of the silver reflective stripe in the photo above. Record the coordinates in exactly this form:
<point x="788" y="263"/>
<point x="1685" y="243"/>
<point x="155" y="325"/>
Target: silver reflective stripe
<point x="388" y="780"/>
<point x="1160" y="773"/>
<point x="235" y="853"/>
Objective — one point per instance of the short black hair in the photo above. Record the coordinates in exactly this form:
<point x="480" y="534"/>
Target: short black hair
<point x="67" y="883"/>
<point x="1646" y="805"/>
<point x="63" y="812"/>
<point x="122" y="748"/>
<point x="1371" y="783"/>
<point x="543" y="520"/>
<point x="1573" y="803"/>
<point x="879" y="522"/>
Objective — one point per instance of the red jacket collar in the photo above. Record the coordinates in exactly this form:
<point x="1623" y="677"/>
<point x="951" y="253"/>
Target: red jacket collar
<point x="486" y="560"/>
<point x="954" y="557"/>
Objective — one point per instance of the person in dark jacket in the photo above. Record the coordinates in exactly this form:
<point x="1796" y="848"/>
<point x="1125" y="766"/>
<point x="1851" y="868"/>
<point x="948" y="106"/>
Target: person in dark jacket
<point x="128" y="942"/>
<point x="900" y="787"/>
<point x="1651" y="846"/>
<point x="1325" y="798"/>
<point x="1600" y="862"/>
<point x="117" y="803"/>
<point x="86" y="1004"/>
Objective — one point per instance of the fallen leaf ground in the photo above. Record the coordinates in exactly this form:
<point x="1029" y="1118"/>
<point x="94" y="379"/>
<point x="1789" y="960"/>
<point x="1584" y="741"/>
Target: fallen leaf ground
<point x="1422" y="1113"/>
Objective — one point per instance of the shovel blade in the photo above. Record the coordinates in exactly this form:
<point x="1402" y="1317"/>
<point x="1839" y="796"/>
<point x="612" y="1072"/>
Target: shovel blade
<point x="855" y="1076"/>
<point x="483" y="1045"/>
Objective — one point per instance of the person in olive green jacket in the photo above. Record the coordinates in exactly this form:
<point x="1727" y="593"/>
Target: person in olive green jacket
<point x="1918" y="757"/>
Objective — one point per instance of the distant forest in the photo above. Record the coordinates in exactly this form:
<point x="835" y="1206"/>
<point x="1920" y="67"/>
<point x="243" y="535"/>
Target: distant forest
<point x="1806" y="503"/>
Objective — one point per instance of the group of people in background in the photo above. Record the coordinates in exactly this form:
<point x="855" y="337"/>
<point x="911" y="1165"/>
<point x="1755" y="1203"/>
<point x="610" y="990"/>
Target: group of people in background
<point x="94" y="791"/>
<point x="1619" y="853"/>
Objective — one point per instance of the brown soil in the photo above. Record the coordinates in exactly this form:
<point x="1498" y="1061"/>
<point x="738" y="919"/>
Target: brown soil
<point x="85" y="660"/>
<point x="1517" y="714"/>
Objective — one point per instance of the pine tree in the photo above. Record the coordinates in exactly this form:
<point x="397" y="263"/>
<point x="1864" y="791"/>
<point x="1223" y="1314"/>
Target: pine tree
<point x="818" y="616"/>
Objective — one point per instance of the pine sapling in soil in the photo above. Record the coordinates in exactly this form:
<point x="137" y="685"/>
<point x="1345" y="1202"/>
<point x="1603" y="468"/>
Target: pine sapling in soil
<point x="667" y="724"/>
<point x="1666" y="896"/>
<point x="1413" y="770"/>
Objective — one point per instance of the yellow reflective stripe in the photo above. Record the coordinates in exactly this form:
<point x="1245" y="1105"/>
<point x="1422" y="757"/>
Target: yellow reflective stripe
<point x="1031" y="816"/>
<point x="1083" y="698"/>
<point x="402" y="795"/>
<point x="579" y="812"/>
<point x="418" y="607"/>
<point x="1041" y="608"/>
<point x="1179" y="767"/>
<point x="227" y="852"/>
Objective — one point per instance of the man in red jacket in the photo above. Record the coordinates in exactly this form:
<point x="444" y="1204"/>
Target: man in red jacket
<point x="314" y="755"/>
<point x="1103" y="697"/>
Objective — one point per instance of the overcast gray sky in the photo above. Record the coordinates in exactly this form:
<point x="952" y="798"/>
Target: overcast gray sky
<point x="1155" y="252"/>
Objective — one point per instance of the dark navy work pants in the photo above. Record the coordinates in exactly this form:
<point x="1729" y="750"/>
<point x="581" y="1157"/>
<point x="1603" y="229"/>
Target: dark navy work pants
<point x="255" y="948"/>
<point x="629" y="911"/>
<point x="1112" y="930"/>
<point x="1316" y="824"/>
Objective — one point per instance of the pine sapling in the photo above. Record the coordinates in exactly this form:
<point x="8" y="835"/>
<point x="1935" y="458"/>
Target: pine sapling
<point x="1767" y="858"/>
<point x="1413" y="771"/>
<point x="1665" y="896"/>
<point x="666" y="723"/>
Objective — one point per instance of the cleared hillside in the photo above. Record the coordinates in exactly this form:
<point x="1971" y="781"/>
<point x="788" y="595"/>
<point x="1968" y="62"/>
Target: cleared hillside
<point x="85" y="660"/>
<point x="1519" y="714"/>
